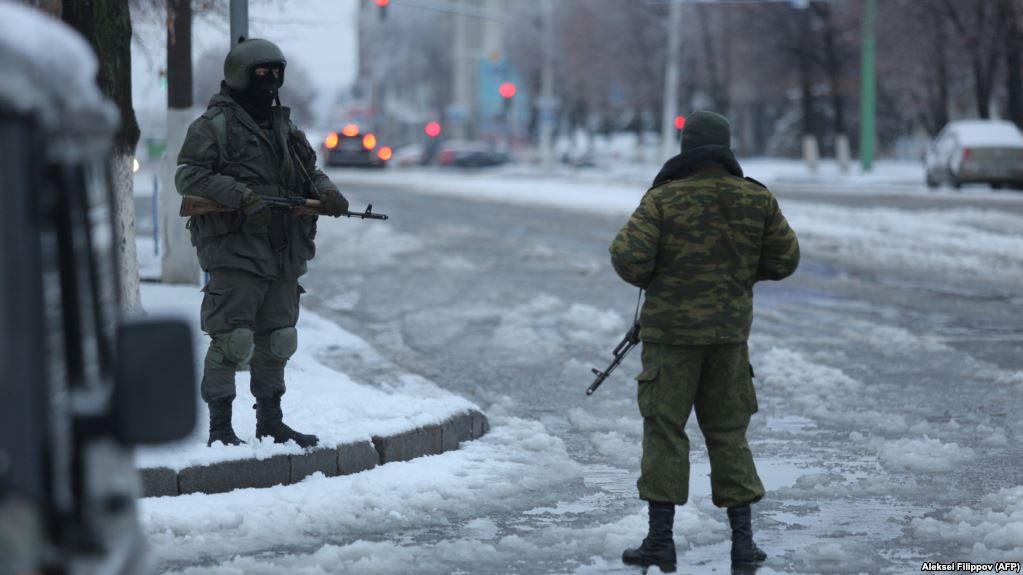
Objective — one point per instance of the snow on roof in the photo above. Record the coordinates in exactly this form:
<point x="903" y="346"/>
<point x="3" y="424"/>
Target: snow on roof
<point x="987" y="133"/>
<point x="49" y="71"/>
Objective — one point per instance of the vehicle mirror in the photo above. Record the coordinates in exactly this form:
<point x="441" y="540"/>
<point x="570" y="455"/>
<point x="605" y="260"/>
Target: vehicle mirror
<point x="154" y="397"/>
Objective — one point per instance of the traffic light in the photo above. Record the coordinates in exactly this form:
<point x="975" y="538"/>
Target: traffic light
<point x="680" y="122"/>
<point x="432" y="129"/>
<point x="507" y="90"/>
<point x="382" y="6"/>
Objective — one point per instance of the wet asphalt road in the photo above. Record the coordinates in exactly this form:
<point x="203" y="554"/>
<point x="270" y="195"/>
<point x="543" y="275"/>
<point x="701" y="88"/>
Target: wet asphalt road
<point x="473" y="295"/>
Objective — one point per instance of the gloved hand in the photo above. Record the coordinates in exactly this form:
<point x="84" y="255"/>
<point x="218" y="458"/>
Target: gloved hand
<point x="257" y="214"/>
<point x="334" y="204"/>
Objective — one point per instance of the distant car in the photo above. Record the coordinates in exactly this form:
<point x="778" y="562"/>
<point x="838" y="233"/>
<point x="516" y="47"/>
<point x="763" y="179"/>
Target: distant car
<point x="353" y="146"/>
<point x="462" y="154"/>
<point x="976" y="151"/>
<point x="413" y="155"/>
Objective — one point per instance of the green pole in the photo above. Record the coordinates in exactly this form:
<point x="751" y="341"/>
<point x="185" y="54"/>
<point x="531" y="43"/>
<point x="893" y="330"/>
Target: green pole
<point x="868" y="87"/>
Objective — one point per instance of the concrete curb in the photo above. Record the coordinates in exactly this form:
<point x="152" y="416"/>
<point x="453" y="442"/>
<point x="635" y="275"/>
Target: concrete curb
<point x="344" y="459"/>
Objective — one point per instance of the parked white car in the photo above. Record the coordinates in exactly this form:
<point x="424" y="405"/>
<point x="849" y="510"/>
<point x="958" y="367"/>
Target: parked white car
<point x="976" y="151"/>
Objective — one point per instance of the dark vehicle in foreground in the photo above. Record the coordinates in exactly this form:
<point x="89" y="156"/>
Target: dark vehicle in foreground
<point x="355" y="147"/>
<point x="81" y="384"/>
<point x="976" y="151"/>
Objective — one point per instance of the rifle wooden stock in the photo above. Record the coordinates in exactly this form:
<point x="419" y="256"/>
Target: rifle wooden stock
<point x="199" y="206"/>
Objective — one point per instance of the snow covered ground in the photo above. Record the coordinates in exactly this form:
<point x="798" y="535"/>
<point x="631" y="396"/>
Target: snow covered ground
<point x="888" y="381"/>
<point x="319" y="400"/>
<point x="975" y="241"/>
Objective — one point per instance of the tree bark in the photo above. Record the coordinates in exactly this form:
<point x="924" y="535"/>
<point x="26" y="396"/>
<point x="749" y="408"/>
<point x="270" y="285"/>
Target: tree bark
<point x="1014" y="67"/>
<point x="805" y="73"/>
<point x="106" y="25"/>
<point x="178" y="261"/>
<point x="939" y="103"/>
<point x="985" y="40"/>
<point x="833" y="66"/>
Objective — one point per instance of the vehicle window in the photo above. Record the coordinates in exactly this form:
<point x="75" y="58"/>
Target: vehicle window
<point x="104" y="261"/>
<point x="82" y="338"/>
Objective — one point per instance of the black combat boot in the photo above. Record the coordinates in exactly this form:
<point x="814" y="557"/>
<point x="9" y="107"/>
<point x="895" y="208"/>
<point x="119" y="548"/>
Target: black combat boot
<point x="658" y="548"/>
<point x="269" y="424"/>
<point x="220" y="423"/>
<point x="745" y="553"/>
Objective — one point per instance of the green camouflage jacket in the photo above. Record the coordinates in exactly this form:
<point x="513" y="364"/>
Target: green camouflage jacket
<point x="697" y="246"/>
<point x="226" y="154"/>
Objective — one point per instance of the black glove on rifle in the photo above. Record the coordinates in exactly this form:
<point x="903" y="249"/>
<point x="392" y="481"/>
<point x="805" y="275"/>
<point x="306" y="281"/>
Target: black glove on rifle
<point x="334" y="204"/>
<point x="257" y="214"/>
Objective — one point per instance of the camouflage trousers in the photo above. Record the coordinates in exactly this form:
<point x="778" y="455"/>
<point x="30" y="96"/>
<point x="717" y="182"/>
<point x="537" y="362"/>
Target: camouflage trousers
<point x="716" y="380"/>
<point x="249" y="318"/>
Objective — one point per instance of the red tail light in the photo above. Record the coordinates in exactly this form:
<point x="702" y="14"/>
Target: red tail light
<point x="966" y="154"/>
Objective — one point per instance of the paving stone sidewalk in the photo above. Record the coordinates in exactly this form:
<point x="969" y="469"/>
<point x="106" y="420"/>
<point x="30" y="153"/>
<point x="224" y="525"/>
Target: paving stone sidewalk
<point x="344" y="459"/>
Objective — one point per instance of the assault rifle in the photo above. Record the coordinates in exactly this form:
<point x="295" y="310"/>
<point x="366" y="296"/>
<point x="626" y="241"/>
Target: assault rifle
<point x="199" y="206"/>
<point x="623" y="349"/>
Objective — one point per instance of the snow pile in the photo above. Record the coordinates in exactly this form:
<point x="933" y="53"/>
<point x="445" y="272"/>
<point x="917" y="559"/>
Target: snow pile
<point x="563" y="549"/>
<point x="538" y="330"/>
<point x="320" y="399"/>
<point x="929" y="240"/>
<point x="516" y="457"/>
<point x="830" y="485"/>
<point x="372" y="244"/>
<point x="820" y="392"/>
<point x="49" y="70"/>
<point x="996" y="524"/>
<point x="848" y="556"/>
<point x="544" y="320"/>
<point x="925" y="454"/>
<point x="987" y="133"/>
<point x="441" y="514"/>
<point x="890" y="340"/>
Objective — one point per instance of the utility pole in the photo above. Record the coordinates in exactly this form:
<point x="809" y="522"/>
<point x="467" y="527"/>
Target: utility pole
<point x="458" y="114"/>
<point x="547" y="104"/>
<point x="239" y="20"/>
<point x="178" y="263"/>
<point x="669" y="144"/>
<point x="868" y="89"/>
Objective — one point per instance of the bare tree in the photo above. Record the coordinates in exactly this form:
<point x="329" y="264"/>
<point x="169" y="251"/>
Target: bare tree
<point x="106" y="25"/>
<point x="983" y="26"/>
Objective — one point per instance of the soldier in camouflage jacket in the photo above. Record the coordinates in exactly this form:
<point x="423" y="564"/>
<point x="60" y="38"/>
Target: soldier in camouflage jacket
<point x="700" y="239"/>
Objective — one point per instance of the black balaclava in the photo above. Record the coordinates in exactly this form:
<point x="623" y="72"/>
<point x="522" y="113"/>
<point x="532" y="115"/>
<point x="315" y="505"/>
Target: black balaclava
<point x="259" y="97"/>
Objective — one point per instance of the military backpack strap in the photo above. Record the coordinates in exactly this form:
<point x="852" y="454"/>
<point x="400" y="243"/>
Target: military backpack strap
<point x="217" y="117"/>
<point x="751" y="180"/>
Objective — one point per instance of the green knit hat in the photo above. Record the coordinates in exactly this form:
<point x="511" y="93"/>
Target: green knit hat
<point x="705" y="128"/>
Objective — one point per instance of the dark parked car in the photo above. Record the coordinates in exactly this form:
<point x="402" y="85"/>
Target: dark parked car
<point x="462" y="154"/>
<point x="81" y="385"/>
<point x="354" y="146"/>
<point x="976" y="151"/>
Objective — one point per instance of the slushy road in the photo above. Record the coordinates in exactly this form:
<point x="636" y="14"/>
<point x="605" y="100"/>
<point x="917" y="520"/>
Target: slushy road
<point x="889" y="395"/>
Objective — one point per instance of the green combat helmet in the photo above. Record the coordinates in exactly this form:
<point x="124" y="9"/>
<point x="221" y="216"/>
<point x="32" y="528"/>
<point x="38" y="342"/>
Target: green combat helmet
<point x="245" y="56"/>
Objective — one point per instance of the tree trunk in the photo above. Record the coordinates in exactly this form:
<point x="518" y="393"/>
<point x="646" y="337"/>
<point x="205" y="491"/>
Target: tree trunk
<point x="178" y="263"/>
<point x="106" y="25"/>
<point x="717" y="78"/>
<point x="805" y="72"/>
<point x="833" y="63"/>
<point x="1014" y="71"/>
<point x="939" y="103"/>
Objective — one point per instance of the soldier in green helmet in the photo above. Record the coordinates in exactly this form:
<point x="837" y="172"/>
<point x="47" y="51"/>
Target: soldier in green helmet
<point x="701" y="237"/>
<point x="245" y="146"/>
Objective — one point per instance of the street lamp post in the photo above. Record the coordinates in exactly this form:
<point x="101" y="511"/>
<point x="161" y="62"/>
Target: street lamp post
<point x="671" y="73"/>
<point x="239" y="20"/>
